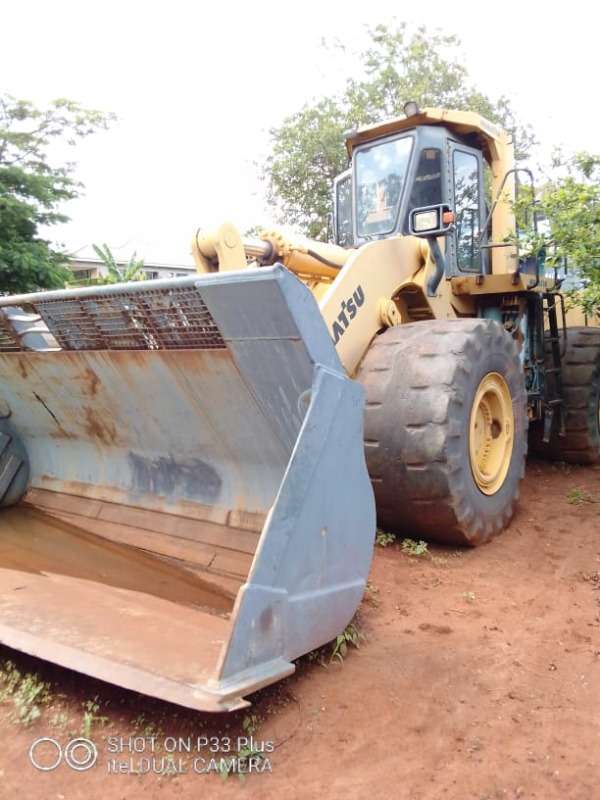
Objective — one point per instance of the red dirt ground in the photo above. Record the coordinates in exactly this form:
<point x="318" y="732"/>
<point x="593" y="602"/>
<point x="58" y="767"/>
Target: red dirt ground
<point x="479" y="679"/>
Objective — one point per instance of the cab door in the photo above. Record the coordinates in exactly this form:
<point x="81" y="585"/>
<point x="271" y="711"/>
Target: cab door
<point x="343" y="227"/>
<point x="466" y="189"/>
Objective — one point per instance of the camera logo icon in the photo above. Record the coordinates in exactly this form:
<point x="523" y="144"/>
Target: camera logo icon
<point x="79" y="754"/>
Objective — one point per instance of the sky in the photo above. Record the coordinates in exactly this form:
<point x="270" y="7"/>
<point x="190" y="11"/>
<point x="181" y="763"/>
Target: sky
<point x="197" y="86"/>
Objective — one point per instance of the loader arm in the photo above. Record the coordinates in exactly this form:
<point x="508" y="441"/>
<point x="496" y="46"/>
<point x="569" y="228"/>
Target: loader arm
<point x="359" y="291"/>
<point x="370" y="293"/>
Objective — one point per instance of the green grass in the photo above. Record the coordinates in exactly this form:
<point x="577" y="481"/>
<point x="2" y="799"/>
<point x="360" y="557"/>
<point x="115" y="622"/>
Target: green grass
<point x="371" y="592"/>
<point x="576" y="496"/>
<point x="91" y="717"/>
<point x="414" y="548"/>
<point x="350" y="637"/>
<point x="26" y="692"/>
<point x="227" y="765"/>
<point x="383" y="539"/>
<point x="250" y="724"/>
<point x="148" y="728"/>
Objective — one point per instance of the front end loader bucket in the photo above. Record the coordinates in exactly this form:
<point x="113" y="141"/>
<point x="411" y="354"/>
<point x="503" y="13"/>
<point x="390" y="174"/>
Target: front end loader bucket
<point x="186" y="507"/>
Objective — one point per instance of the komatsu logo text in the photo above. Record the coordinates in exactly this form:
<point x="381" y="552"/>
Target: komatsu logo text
<point x="348" y="311"/>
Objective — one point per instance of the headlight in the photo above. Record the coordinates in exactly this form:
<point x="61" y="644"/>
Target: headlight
<point x="426" y="221"/>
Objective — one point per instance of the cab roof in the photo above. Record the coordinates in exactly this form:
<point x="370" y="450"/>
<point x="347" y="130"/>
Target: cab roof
<point x="485" y="134"/>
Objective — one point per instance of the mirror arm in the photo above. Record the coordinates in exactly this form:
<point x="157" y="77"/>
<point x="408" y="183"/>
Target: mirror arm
<point x="440" y="266"/>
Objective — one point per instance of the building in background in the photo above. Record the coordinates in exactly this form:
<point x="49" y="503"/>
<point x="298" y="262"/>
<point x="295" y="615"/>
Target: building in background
<point x="91" y="269"/>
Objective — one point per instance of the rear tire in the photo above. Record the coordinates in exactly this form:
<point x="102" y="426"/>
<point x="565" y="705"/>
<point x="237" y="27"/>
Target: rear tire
<point x="422" y="381"/>
<point x="581" y="389"/>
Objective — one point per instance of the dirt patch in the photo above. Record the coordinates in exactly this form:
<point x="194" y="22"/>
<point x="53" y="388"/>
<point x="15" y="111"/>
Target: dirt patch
<point x="478" y="679"/>
<point x="427" y="626"/>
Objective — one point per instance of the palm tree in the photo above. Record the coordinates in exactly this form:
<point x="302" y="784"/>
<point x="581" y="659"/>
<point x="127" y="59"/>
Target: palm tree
<point x="133" y="270"/>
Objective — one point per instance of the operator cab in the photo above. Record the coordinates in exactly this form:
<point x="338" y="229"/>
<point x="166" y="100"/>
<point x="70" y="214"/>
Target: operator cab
<point x="421" y="180"/>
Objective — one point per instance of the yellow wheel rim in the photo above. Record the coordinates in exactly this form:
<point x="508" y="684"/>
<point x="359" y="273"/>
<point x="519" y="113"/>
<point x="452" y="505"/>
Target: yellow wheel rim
<point x="491" y="433"/>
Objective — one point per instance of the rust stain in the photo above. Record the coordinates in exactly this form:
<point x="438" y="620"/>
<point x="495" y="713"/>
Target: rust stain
<point x="61" y="433"/>
<point x="93" y="381"/>
<point x="99" y="428"/>
<point x="22" y="365"/>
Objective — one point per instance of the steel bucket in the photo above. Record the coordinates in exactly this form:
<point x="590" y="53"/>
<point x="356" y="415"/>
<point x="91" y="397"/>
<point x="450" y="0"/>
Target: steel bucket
<point x="186" y="504"/>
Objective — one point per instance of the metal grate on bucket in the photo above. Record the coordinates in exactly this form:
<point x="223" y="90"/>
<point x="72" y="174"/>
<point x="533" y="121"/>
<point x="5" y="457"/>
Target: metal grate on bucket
<point x="9" y="341"/>
<point x="150" y="319"/>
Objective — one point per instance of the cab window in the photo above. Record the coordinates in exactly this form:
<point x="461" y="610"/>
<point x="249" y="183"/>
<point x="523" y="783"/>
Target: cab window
<point x="427" y="187"/>
<point x="467" y="205"/>
<point x="343" y="212"/>
<point x="380" y="174"/>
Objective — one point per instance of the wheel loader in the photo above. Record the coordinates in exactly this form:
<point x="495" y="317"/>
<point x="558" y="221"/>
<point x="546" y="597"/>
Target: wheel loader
<point x="193" y="469"/>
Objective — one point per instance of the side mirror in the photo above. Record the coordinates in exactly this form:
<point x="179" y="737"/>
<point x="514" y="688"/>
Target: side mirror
<point x="431" y="221"/>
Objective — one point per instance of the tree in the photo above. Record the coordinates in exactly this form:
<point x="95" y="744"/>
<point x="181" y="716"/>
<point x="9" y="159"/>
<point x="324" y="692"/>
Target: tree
<point x="397" y="66"/>
<point x="133" y="270"/>
<point x="570" y="201"/>
<point x="32" y="188"/>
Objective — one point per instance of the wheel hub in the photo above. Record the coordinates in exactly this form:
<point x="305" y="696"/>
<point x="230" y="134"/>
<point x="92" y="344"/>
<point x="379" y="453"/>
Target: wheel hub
<point x="491" y="433"/>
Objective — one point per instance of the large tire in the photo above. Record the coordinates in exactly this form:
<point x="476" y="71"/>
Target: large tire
<point x="581" y="391"/>
<point x="421" y="381"/>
